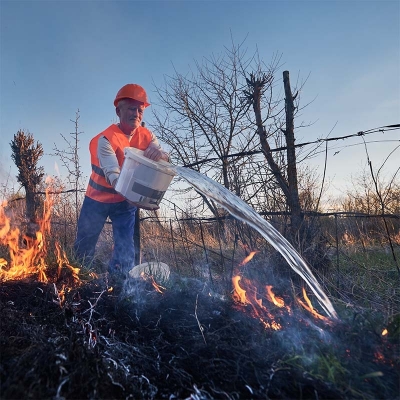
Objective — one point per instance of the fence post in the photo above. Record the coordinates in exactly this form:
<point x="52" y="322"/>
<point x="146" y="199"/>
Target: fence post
<point x="205" y="252"/>
<point x="136" y="238"/>
<point x="337" y="251"/>
<point x="173" y="245"/>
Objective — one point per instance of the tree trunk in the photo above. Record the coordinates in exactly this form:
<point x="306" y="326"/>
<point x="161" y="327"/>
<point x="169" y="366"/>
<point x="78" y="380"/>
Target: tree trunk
<point x="31" y="213"/>
<point x="294" y="202"/>
<point x="276" y="171"/>
<point x="30" y="205"/>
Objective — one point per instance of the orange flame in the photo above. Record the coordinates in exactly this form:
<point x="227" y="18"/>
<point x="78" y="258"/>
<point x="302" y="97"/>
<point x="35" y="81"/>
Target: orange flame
<point x="258" y="309"/>
<point x="379" y="356"/>
<point x="309" y="307"/>
<point x="157" y="287"/>
<point x="248" y="258"/>
<point x="26" y="253"/>
<point x="239" y="292"/>
<point x="278" y="301"/>
<point x="62" y="261"/>
<point x="245" y="293"/>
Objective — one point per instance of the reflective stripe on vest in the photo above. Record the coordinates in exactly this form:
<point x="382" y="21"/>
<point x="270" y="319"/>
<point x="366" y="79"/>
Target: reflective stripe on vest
<point x="101" y="188"/>
<point x="98" y="170"/>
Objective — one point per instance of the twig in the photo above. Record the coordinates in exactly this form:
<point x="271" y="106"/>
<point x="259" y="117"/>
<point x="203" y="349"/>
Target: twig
<point x="92" y="306"/>
<point x="58" y="296"/>
<point x="197" y="319"/>
<point x="323" y="178"/>
<point x="115" y="383"/>
<point x="57" y="396"/>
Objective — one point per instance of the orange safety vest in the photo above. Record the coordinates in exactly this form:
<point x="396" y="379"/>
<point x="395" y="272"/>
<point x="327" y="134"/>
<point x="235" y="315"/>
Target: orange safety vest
<point x="98" y="188"/>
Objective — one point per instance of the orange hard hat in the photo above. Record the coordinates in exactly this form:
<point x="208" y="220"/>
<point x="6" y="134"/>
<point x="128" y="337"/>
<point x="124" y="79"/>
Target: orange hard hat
<point x="132" y="91"/>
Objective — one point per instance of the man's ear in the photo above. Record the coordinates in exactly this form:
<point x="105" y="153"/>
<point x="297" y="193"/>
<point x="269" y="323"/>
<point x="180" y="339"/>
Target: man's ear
<point x="117" y="111"/>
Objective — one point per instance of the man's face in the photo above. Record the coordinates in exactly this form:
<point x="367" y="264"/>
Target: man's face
<point x="130" y="113"/>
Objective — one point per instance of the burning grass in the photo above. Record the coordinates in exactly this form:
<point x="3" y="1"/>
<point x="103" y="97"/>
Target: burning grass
<point x="184" y="342"/>
<point x="66" y="333"/>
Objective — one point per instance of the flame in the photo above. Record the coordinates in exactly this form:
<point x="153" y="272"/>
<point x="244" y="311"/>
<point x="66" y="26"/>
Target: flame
<point x="239" y="292"/>
<point x="278" y="301"/>
<point x="385" y="332"/>
<point x="379" y="356"/>
<point x="248" y="258"/>
<point x="309" y="307"/>
<point x="27" y="253"/>
<point x="148" y="277"/>
<point x="245" y="294"/>
<point x="62" y="261"/>
<point x="258" y="309"/>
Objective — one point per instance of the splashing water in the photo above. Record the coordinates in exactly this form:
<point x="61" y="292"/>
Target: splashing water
<point x="242" y="211"/>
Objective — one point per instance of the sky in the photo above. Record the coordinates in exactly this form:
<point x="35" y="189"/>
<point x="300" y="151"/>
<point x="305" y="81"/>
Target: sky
<point x="60" y="56"/>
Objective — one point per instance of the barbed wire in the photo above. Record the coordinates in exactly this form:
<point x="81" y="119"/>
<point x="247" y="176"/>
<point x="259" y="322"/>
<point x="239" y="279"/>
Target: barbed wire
<point x="345" y="214"/>
<point x="381" y="129"/>
<point x="166" y="219"/>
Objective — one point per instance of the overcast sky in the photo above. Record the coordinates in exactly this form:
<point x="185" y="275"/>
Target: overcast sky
<point x="58" y="56"/>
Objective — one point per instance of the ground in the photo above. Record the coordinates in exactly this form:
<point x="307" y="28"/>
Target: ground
<point x="185" y="342"/>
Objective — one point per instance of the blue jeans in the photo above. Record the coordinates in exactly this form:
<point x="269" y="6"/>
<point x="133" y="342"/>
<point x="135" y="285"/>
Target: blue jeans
<point x="90" y="224"/>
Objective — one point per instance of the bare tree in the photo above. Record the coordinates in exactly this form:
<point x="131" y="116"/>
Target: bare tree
<point x="285" y="175"/>
<point x="205" y="117"/>
<point x="71" y="161"/>
<point x="26" y="155"/>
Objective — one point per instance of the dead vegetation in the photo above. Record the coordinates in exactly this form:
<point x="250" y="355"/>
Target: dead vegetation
<point x="182" y="343"/>
<point x="90" y="338"/>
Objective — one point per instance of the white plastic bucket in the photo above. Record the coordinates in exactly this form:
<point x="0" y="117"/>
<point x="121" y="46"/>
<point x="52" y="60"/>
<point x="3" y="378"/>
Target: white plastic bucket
<point x="144" y="181"/>
<point x="158" y="270"/>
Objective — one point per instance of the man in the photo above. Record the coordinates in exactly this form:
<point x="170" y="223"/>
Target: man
<point x="101" y="199"/>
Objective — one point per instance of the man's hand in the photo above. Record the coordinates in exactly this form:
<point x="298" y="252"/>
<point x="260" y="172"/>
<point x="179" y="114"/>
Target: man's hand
<point x="138" y="205"/>
<point x="155" y="153"/>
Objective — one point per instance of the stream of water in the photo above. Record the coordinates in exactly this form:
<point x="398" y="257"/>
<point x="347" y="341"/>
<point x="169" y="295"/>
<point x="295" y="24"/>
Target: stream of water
<point x="243" y="212"/>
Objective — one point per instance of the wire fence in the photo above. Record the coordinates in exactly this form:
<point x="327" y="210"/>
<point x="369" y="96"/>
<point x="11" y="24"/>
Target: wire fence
<point x="342" y="231"/>
<point x="381" y="129"/>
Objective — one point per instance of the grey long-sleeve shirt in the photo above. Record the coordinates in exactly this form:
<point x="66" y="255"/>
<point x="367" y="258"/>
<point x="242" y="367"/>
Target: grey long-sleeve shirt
<point x="108" y="159"/>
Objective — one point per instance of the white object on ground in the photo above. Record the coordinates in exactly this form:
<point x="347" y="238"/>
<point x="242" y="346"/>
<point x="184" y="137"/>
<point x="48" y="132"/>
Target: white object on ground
<point x="160" y="271"/>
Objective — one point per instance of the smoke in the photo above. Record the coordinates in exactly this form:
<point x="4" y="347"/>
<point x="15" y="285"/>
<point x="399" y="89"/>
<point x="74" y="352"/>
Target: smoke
<point x="299" y="331"/>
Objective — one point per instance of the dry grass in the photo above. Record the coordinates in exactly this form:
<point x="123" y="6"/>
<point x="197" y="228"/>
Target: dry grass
<point x="359" y="266"/>
<point x="363" y="286"/>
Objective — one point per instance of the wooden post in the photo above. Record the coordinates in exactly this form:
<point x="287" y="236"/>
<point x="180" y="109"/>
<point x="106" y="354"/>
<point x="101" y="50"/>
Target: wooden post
<point x="337" y="252"/>
<point x="136" y="238"/>
<point x="296" y="217"/>
<point x="173" y="245"/>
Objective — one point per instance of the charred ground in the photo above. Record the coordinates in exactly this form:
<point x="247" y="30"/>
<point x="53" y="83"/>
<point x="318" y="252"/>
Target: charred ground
<point x="182" y="343"/>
